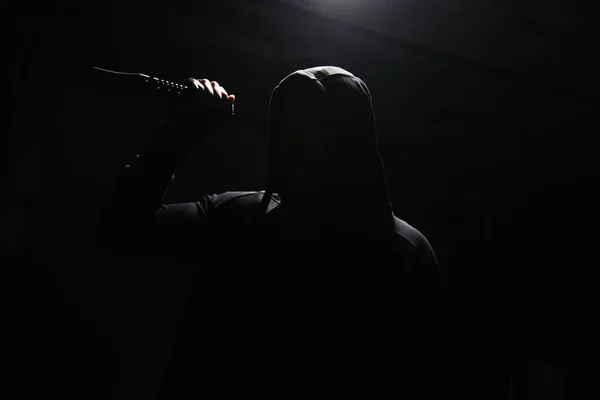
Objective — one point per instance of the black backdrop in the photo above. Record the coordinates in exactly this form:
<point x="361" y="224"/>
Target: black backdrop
<point x="496" y="167"/>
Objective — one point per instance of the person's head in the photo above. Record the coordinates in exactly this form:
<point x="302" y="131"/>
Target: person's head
<point x="322" y="137"/>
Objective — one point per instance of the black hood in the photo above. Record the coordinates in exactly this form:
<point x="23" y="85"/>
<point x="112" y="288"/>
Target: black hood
<point x="329" y="111"/>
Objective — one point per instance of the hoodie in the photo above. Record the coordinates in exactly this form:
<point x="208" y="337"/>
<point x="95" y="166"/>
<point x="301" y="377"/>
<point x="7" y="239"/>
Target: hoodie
<point x="322" y="148"/>
<point x="329" y="293"/>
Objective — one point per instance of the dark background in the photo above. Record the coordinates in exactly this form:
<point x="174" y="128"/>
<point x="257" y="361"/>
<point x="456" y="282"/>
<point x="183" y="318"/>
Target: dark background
<point x="487" y="119"/>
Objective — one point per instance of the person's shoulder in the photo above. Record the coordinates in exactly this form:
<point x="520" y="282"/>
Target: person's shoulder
<point x="235" y="200"/>
<point x="223" y="199"/>
<point x="420" y="246"/>
<point x="411" y="234"/>
<point x="235" y="214"/>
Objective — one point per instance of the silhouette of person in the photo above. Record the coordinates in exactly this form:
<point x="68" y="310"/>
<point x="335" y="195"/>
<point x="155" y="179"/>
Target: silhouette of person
<point x="311" y="288"/>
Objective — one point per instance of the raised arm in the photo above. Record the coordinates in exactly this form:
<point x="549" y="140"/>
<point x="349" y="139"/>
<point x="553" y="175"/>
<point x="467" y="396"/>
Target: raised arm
<point x="142" y="184"/>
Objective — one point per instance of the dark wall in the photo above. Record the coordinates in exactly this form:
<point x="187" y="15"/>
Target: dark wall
<point x="497" y="170"/>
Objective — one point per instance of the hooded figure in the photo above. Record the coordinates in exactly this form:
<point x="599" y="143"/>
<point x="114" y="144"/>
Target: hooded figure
<point x="324" y="292"/>
<point x="322" y="147"/>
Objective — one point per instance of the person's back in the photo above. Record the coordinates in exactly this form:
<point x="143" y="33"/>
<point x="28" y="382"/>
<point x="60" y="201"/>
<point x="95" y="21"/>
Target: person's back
<point x="324" y="292"/>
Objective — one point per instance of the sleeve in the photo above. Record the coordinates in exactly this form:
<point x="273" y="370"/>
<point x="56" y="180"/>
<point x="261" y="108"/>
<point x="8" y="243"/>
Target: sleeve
<point x="425" y="255"/>
<point x="138" y="218"/>
<point x="429" y="330"/>
<point x="434" y="334"/>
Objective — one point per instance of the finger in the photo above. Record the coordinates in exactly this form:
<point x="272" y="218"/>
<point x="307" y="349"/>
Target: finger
<point x="217" y="89"/>
<point x="198" y="85"/>
<point x="231" y="101"/>
<point x="207" y="85"/>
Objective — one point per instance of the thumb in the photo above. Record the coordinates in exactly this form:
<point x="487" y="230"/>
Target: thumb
<point x="231" y="101"/>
